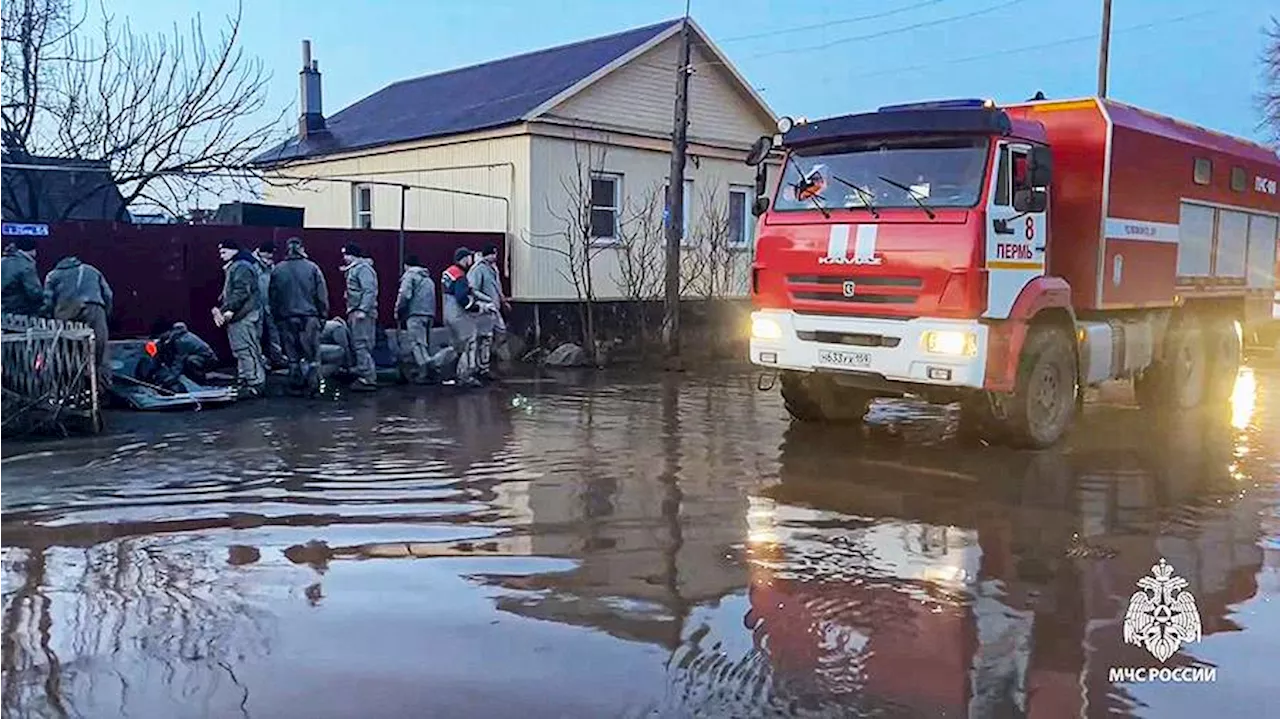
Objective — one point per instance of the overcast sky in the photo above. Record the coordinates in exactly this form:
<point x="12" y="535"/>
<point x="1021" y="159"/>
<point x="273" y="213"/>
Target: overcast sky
<point x="1194" y="59"/>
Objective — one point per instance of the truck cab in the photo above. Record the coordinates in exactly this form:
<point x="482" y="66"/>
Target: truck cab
<point x="892" y="243"/>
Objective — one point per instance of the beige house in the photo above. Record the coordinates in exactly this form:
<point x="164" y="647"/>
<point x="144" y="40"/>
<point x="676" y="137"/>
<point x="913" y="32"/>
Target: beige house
<point x="516" y="144"/>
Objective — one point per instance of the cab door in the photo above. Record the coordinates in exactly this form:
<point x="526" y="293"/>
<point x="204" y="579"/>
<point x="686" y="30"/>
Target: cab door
<point x="1016" y="240"/>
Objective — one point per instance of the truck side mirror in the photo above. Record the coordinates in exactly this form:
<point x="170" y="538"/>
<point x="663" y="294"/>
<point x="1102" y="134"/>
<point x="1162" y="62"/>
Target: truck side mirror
<point x="760" y="206"/>
<point x="1026" y="201"/>
<point x="1040" y="166"/>
<point x="759" y="151"/>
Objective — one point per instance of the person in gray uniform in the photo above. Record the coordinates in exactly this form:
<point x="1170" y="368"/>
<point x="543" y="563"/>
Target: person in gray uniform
<point x="20" y="289"/>
<point x="299" y="300"/>
<point x="239" y="310"/>
<point x="362" y="313"/>
<point x="76" y="291"/>
<point x="416" y="309"/>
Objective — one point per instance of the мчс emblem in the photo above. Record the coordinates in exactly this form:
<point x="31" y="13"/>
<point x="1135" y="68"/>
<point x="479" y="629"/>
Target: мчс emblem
<point x="1161" y="618"/>
<point x="849" y="288"/>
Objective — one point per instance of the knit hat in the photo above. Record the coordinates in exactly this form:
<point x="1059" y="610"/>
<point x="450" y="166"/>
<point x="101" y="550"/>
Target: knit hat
<point x="268" y="247"/>
<point x="352" y="249"/>
<point x="461" y="254"/>
<point x="25" y="243"/>
<point x="412" y="261"/>
<point x="229" y="245"/>
<point x="490" y="251"/>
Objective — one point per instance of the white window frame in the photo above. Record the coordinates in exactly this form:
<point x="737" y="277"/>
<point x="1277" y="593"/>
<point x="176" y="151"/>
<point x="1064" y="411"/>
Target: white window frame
<point x="356" y="213"/>
<point x="616" y="208"/>
<point x="748" y="220"/>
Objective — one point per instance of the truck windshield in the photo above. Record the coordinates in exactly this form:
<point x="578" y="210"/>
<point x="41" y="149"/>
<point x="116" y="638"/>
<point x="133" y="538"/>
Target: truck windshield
<point x="939" y="172"/>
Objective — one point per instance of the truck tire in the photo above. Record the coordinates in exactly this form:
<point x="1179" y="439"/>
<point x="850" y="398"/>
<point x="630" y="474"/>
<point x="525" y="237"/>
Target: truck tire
<point x="811" y="397"/>
<point x="1043" y="402"/>
<point x="1179" y="379"/>
<point x="1226" y="354"/>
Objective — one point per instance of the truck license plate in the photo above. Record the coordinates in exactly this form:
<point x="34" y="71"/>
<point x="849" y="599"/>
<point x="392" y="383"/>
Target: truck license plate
<point x="836" y="358"/>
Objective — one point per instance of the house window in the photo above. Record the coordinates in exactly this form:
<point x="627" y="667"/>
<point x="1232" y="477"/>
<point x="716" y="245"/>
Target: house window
<point x="362" y="207"/>
<point x="687" y="235"/>
<point x="1238" y="179"/>
<point x="741" y="225"/>
<point x="605" y="199"/>
<point x="1203" y="172"/>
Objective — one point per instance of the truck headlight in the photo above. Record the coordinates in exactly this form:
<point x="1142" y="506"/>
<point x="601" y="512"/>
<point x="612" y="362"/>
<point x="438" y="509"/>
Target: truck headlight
<point x="951" y="342"/>
<point x="763" y="328"/>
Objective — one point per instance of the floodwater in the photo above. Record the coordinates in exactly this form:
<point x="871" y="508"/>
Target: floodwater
<point x="634" y="546"/>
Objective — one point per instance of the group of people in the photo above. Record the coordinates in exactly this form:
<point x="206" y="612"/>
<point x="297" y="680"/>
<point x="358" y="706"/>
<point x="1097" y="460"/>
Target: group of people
<point x="73" y="290"/>
<point x="274" y="312"/>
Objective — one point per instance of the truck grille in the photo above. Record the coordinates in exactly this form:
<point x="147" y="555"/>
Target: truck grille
<point x="848" y="338"/>
<point x="880" y="289"/>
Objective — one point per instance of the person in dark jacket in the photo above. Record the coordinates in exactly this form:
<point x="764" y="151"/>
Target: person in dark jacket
<point x="416" y="309"/>
<point x="362" y="313"/>
<point x="20" y="289"/>
<point x="76" y="291"/>
<point x="179" y="352"/>
<point x="460" y="308"/>
<point x="239" y="310"/>
<point x="271" y="350"/>
<point x="299" y="300"/>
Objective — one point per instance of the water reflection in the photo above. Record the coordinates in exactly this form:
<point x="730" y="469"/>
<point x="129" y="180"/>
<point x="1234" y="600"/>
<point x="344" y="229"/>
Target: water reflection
<point x="635" y="546"/>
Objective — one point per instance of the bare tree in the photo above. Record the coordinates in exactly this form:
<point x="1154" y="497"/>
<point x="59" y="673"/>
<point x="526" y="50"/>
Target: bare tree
<point x="1269" y="97"/>
<point x="171" y="116"/>
<point x="576" y="243"/>
<point x="721" y="264"/>
<point x="642" y="258"/>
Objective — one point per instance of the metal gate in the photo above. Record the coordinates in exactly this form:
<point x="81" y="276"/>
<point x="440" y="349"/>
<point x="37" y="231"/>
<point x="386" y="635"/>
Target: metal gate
<point x="49" y="376"/>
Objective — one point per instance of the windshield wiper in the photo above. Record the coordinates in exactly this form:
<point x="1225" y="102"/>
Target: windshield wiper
<point x="912" y="194"/>
<point x="864" y="193"/>
<point x="826" y="214"/>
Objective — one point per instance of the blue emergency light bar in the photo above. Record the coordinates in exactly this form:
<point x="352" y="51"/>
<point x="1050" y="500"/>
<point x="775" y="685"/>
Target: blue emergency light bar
<point x="968" y="104"/>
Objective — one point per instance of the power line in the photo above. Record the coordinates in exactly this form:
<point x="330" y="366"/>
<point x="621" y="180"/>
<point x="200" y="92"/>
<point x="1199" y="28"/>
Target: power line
<point x="824" y="25"/>
<point x="885" y="33"/>
<point x="1028" y="48"/>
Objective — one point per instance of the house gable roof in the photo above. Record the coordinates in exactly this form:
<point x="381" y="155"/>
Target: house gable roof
<point x="492" y="94"/>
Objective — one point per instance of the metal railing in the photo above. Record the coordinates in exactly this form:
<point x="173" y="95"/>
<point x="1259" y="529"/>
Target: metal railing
<point x="49" y="376"/>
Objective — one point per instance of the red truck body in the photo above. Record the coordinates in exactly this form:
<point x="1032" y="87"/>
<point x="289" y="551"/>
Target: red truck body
<point x="916" y="249"/>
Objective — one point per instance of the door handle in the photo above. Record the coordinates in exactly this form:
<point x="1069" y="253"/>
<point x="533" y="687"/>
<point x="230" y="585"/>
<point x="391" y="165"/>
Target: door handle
<point x="1002" y="227"/>
<point x="1040" y="248"/>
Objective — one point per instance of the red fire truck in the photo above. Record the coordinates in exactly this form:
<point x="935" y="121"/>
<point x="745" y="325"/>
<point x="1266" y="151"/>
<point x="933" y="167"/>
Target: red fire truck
<point x="1007" y="257"/>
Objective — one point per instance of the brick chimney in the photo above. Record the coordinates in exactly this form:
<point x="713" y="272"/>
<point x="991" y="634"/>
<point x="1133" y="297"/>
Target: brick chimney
<point x="311" y="118"/>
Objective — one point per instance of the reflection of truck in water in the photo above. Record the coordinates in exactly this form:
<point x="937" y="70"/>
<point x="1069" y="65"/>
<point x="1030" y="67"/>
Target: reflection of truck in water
<point x="922" y="581"/>
<point x="1006" y="257"/>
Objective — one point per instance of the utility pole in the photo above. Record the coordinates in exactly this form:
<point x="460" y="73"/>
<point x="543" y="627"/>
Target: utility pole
<point x="1104" y="49"/>
<point x="675" y="198"/>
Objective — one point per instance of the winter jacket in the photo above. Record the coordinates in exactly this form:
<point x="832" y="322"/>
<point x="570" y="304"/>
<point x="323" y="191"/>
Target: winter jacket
<point x="264" y="284"/>
<point x="483" y="278"/>
<point x="71" y="285"/>
<point x="455" y="292"/>
<point x="180" y="344"/>
<point x="240" y="289"/>
<point x="362" y="287"/>
<point x="417" y="296"/>
<point x="298" y="288"/>
<point x="21" y="293"/>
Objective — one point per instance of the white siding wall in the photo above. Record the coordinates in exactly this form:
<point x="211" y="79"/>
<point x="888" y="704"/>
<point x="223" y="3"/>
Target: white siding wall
<point x="641" y="95"/>
<point x="330" y="204"/>
<point x="539" y="271"/>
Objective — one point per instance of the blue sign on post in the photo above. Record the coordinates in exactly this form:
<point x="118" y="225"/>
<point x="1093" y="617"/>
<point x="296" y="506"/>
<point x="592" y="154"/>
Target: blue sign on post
<point x="23" y="229"/>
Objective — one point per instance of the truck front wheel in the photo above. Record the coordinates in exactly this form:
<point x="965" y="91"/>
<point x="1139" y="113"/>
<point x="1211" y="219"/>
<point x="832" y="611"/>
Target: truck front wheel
<point x="1042" y="405"/>
<point x="811" y="397"/>
<point x="1040" y="410"/>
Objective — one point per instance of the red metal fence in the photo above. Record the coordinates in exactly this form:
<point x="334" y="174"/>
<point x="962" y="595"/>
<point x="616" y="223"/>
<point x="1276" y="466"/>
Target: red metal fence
<point x="168" y="273"/>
